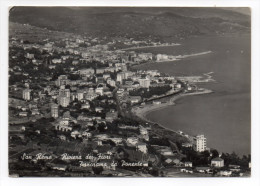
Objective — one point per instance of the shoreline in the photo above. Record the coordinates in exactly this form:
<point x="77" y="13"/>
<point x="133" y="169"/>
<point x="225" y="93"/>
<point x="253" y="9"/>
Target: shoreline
<point x="143" y="112"/>
<point x="177" y="58"/>
<point x="143" y="47"/>
<point x="180" y="57"/>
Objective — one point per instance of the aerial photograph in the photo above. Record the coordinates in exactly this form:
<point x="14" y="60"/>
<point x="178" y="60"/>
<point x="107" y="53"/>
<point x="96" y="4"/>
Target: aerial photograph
<point x="129" y="92"/>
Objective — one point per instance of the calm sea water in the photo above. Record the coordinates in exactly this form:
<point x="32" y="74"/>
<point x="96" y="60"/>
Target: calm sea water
<point x="223" y="116"/>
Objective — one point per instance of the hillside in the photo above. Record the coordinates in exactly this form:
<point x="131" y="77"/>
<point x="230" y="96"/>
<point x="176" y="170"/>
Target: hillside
<point x="35" y="34"/>
<point x="134" y="22"/>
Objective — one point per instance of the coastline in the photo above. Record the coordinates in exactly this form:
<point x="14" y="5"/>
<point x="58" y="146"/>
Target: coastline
<point x="179" y="57"/>
<point x="142" y="47"/>
<point x="222" y="81"/>
<point x="143" y="112"/>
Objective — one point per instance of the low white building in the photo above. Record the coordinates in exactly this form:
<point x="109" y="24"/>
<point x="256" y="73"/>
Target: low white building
<point x="225" y="173"/>
<point x="56" y="61"/>
<point x="117" y="141"/>
<point x="141" y="147"/>
<point x="23" y="114"/>
<point x="187" y="164"/>
<point x="99" y="109"/>
<point x="217" y="162"/>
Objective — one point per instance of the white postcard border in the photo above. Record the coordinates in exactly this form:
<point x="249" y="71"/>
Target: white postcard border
<point x="254" y="180"/>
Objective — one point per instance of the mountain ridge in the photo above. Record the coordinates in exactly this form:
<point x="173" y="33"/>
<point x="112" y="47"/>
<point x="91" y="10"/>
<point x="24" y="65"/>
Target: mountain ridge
<point x="133" y="22"/>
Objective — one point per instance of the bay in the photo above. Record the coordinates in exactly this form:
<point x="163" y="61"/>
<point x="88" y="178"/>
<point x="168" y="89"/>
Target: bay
<point x="224" y="116"/>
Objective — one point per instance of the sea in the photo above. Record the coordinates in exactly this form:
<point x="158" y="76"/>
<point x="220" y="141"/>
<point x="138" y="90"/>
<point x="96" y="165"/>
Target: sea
<point x="224" y="116"/>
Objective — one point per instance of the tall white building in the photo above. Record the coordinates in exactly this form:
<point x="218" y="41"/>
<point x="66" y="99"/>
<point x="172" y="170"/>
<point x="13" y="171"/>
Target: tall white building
<point x="55" y="111"/>
<point x="64" y="92"/>
<point x="144" y="82"/>
<point x="64" y="101"/>
<point x="80" y="94"/>
<point x="26" y="94"/>
<point x="64" y="97"/>
<point x="199" y="143"/>
<point x="120" y="77"/>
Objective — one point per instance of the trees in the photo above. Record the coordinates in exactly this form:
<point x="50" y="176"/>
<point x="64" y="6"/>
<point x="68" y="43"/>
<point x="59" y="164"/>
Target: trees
<point x="97" y="170"/>
<point x="154" y="172"/>
<point x="214" y="153"/>
<point x="74" y="76"/>
<point x="160" y="141"/>
<point x="112" y="128"/>
<point x="201" y="159"/>
<point x="83" y="45"/>
<point x="234" y="159"/>
<point x="16" y="78"/>
<point x="37" y="53"/>
<point x="147" y="93"/>
<point x="101" y="127"/>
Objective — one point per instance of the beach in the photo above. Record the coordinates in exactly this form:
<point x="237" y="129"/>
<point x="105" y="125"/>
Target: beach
<point x="143" y="111"/>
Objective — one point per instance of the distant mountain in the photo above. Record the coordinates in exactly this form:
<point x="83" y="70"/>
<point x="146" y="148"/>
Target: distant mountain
<point x="242" y="10"/>
<point x="133" y="22"/>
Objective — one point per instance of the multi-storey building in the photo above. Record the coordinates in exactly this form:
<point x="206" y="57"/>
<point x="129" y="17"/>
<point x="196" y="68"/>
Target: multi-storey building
<point x="64" y="92"/>
<point x="144" y="82"/>
<point x="55" y="111"/>
<point x="27" y="94"/>
<point x="62" y="80"/>
<point x="120" y="77"/>
<point x="64" y="101"/>
<point x="80" y="94"/>
<point x="199" y="143"/>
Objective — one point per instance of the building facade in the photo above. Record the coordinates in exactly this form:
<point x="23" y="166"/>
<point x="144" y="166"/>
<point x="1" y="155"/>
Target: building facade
<point x="144" y="82"/>
<point x="55" y="111"/>
<point x="62" y="80"/>
<point x="217" y="162"/>
<point x="64" y="101"/>
<point x="64" y="92"/>
<point x="27" y="94"/>
<point x="199" y="143"/>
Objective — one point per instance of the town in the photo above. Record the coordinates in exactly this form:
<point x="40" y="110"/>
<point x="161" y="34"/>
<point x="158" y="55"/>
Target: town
<point x="71" y="112"/>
